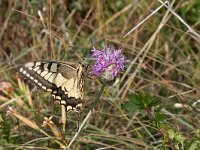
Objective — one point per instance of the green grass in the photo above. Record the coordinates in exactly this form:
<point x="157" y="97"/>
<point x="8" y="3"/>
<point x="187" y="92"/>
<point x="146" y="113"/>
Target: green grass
<point x="136" y="111"/>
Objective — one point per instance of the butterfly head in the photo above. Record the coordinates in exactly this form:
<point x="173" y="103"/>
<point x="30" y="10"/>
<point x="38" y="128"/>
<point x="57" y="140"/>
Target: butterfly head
<point x="83" y="68"/>
<point x="82" y="64"/>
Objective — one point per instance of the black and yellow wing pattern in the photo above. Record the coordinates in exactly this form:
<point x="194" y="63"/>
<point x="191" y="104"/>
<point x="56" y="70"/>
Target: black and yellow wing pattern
<point x="63" y="80"/>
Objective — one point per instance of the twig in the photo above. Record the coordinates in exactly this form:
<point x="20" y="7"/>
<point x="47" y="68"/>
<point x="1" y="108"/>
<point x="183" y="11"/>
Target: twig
<point x="166" y="5"/>
<point x="145" y="19"/>
<point x="191" y="30"/>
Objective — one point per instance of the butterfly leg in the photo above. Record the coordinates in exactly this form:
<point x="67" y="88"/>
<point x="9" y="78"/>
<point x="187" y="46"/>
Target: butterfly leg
<point x="78" y="121"/>
<point x="64" y="118"/>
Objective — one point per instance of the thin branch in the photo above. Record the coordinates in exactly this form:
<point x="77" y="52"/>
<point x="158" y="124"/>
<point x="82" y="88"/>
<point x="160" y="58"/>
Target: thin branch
<point x="190" y="29"/>
<point x="144" y="19"/>
<point x="166" y="5"/>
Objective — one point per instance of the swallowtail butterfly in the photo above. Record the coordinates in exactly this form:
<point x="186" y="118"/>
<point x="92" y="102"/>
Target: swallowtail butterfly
<point x="63" y="80"/>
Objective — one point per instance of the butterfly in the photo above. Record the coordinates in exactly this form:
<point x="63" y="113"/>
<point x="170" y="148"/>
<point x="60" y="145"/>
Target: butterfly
<point x="63" y="80"/>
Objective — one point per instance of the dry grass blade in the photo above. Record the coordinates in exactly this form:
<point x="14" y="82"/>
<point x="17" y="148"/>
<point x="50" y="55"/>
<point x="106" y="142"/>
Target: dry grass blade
<point x="12" y="111"/>
<point x="55" y="130"/>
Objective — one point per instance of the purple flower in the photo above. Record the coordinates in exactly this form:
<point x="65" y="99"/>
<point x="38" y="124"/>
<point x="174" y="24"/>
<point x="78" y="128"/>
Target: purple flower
<point x="108" y="62"/>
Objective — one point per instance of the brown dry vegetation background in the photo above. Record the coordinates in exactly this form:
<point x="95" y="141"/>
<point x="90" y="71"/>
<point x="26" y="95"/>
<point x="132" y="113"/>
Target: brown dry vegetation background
<point x="162" y="59"/>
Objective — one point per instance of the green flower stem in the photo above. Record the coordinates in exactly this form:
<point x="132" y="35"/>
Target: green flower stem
<point x="89" y="113"/>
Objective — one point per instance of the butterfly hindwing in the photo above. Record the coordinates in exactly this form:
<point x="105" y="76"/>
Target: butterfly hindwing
<point x="64" y="81"/>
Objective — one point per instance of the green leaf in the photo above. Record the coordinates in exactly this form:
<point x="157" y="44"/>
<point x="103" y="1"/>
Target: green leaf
<point x="180" y="138"/>
<point x="171" y="133"/>
<point x="193" y="146"/>
<point x="139" y="102"/>
<point x="143" y="100"/>
<point x="1" y="118"/>
<point x="159" y="117"/>
<point x="131" y="107"/>
<point x="176" y="145"/>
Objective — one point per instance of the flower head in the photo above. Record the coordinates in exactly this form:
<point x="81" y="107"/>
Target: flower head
<point x="108" y="62"/>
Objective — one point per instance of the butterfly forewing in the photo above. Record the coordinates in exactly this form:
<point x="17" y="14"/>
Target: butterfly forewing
<point x="64" y="81"/>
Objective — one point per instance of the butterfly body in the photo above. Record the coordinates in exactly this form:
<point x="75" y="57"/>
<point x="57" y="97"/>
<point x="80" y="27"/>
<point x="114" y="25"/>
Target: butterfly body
<point x="63" y="80"/>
